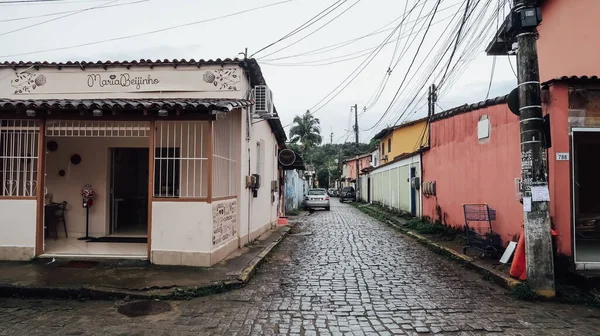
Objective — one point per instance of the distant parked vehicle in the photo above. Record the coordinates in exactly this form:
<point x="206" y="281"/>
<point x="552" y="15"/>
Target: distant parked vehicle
<point x="348" y="194"/>
<point x="316" y="198"/>
<point x="332" y="192"/>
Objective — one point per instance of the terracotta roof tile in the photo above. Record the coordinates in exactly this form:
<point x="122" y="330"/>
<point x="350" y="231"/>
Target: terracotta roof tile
<point x="154" y="104"/>
<point x="173" y="62"/>
<point x="469" y="107"/>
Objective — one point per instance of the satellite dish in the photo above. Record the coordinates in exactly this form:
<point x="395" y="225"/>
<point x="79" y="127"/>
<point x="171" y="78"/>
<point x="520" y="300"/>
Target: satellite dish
<point x="513" y="102"/>
<point x="287" y="157"/>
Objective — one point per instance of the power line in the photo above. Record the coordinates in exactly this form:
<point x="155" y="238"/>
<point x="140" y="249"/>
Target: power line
<point x="487" y="95"/>
<point x="358" y="69"/>
<point x="350" y="41"/>
<point x="305" y="25"/>
<point x="58" y="18"/>
<point x="462" y="25"/>
<point x="410" y="66"/>
<point x="369" y="59"/>
<point x="420" y="86"/>
<point x="71" y="11"/>
<point x="150" y="32"/>
<point x="318" y="29"/>
<point x="475" y="43"/>
<point x="402" y="53"/>
<point x="42" y="2"/>
<point x="351" y="56"/>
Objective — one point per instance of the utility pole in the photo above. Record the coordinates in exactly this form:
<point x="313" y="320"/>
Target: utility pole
<point x="356" y="140"/>
<point x="431" y="99"/>
<point x="536" y="198"/>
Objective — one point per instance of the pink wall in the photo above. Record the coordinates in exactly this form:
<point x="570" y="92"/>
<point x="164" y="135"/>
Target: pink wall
<point x="468" y="170"/>
<point x="569" y="41"/>
<point x="363" y="163"/>
<point x="560" y="171"/>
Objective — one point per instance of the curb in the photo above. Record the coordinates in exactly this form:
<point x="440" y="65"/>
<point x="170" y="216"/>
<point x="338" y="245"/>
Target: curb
<point x="499" y="278"/>
<point x="249" y="271"/>
<point x="178" y="293"/>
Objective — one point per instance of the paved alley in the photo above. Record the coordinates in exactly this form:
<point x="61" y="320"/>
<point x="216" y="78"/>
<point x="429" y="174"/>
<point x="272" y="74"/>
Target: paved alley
<point x="344" y="274"/>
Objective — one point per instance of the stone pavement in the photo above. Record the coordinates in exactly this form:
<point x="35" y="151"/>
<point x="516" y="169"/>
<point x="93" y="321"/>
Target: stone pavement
<point x="118" y="279"/>
<point x="345" y="274"/>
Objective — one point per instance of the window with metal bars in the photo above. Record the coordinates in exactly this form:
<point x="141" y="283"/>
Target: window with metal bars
<point x="19" y="157"/>
<point x="181" y="159"/>
<point x="226" y="155"/>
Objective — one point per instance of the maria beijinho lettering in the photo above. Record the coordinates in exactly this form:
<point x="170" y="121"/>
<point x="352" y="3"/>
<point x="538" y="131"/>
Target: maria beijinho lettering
<point x="123" y="80"/>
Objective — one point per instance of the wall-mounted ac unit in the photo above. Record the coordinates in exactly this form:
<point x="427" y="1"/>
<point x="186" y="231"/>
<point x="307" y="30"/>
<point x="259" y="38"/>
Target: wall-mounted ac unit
<point x="263" y="101"/>
<point x="384" y="158"/>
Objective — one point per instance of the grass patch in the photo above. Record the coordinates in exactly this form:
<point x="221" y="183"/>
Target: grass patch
<point x="522" y="291"/>
<point x="294" y="212"/>
<point x="576" y="295"/>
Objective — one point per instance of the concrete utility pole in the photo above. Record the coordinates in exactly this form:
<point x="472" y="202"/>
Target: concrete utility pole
<point x="356" y="140"/>
<point x="536" y="198"/>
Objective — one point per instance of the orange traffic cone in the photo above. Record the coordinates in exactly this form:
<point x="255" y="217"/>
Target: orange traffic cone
<point x="518" y="268"/>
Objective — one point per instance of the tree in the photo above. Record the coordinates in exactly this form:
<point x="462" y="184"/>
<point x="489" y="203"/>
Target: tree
<point x="306" y="131"/>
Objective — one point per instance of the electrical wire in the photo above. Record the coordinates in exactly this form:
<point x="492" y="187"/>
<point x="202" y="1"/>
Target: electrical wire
<point x="305" y="25"/>
<point x="487" y="95"/>
<point x="58" y="18"/>
<point x="355" y="73"/>
<point x="457" y="43"/>
<point x="342" y="44"/>
<point x="410" y="66"/>
<point x="149" y="32"/>
<point x="71" y="11"/>
<point x="349" y="79"/>
<point x="404" y="51"/>
<point x="421" y="87"/>
<point x="42" y="2"/>
<point x="346" y="57"/>
<point x="313" y="32"/>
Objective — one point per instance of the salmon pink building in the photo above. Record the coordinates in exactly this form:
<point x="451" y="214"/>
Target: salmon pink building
<point x="475" y="155"/>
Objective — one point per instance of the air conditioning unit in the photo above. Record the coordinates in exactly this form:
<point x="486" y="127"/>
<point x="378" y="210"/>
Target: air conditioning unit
<point x="263" y="101"/>
<point x="384" y="158"/>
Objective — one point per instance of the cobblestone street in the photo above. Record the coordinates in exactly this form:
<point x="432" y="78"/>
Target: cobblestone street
<point x="345" y="274"/>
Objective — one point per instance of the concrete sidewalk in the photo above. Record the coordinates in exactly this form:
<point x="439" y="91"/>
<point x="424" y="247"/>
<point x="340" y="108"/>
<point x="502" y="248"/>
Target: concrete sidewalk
<point x="119" y="279"/>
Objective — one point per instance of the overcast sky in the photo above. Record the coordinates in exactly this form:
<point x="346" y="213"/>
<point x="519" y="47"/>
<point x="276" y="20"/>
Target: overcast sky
<point x="298" y="82"/>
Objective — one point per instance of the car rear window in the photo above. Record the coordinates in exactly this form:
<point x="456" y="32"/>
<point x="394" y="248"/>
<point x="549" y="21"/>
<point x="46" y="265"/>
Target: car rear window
<point x="316" y="192"/>
<point x="348" y="189"/>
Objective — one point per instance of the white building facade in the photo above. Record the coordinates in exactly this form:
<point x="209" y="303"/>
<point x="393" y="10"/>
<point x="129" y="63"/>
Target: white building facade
<point x="183" y="170"/>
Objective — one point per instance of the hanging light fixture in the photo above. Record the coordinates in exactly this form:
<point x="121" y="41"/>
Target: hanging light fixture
<point x="163" y="113"/>
<point x="30" y="113"/>
<point x="97" y="113"/>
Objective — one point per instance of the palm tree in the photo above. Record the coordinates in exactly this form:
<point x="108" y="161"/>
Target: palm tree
<point x="306" y="131"/>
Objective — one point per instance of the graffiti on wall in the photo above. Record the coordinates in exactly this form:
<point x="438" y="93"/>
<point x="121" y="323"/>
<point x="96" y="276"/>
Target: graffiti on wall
<point x="224" y="221"/>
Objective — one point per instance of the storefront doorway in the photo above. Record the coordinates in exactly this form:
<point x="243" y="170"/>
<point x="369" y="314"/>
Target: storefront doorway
<point x="112" y="158"/>
<point x="586" y="197"/>
<point x="129" y="192"/>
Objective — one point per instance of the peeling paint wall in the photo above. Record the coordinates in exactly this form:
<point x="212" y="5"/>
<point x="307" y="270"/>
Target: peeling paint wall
<point x="294" y="190"/>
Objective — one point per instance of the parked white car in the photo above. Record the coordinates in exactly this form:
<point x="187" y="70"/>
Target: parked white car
<point x="316" y="198"/>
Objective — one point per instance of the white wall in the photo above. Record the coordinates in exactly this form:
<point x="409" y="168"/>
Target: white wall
<point x="17" y="229"/>
<point x="390" y="184"/>
<point x="181" y="226"/>
<point x="257" y="214"/>
<point x="72" y="82"/>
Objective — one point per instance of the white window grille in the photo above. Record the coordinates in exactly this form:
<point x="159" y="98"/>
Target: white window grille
<point x="226" y="155"/>
<point x="180" y="159"/>
<point x="19" y="157"/>
<point x="98" y="129"/>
